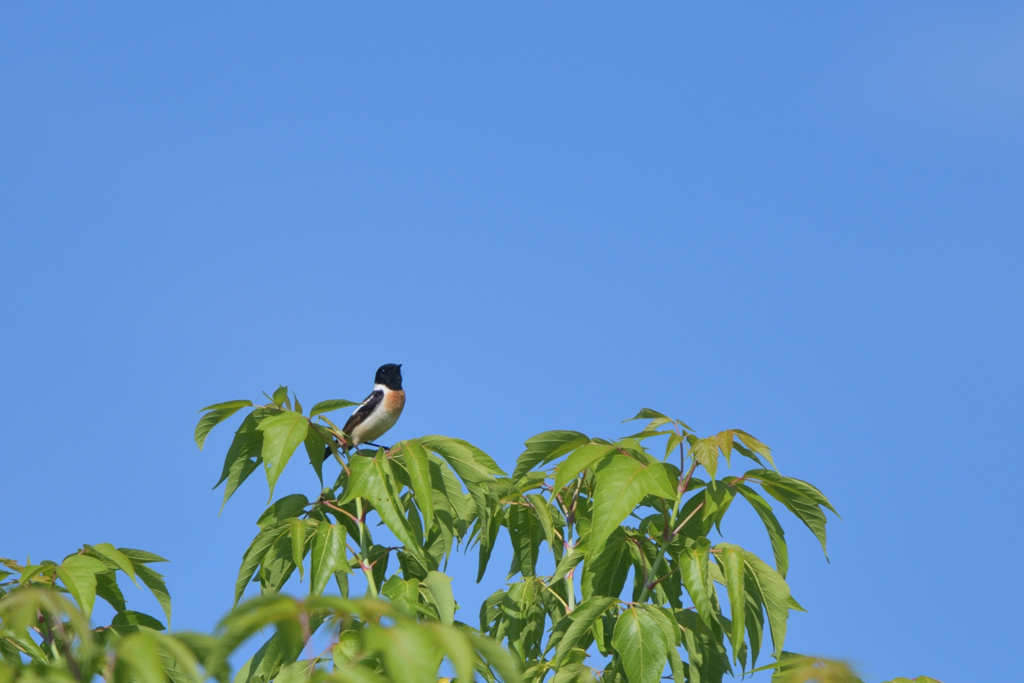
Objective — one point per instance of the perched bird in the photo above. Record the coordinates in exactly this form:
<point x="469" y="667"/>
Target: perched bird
<point x="379" y="412"/>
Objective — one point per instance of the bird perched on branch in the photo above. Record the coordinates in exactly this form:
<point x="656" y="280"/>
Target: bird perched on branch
<point x="378" y="412"/>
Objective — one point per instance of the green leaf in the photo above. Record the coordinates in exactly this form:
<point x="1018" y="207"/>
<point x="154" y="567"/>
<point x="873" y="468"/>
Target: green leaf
<point x="328" y="556"/>
<point x="440" y="587"/>
<point x="78" y="573"/>
<point x="141" y="556"/>
<point x="316" y="446"/>
<point x="127" y="621"/>
<point x="468" y="461"/>
<point x="497" y="657"/>
<point x="459" y="651"/>
<point x="641" y="645"/>
<point x="731" y="560"/>
<point x="327" y="406"/>
<point x="622" y="483"/>
<point x="418" y="465"/>
<point x="545" y="447"/>
<point x="774" y="594"/>
<point x="575" y="626"/>
<point x="114" y="557"/>
<point x="693" y="566"/>
<point x="155" y="582"/>
<point x="280" y="396"/>
<point x="799" y="497"/>
<point x="717" y="500"/>
<point x="408" y="656"/>
<point x="754" y="445"/>
<point x="523" y="611"/>
<point x="218" y="413"/>
<point x="542" y="510"/>
<point x="288" y="507"/>
<point x="797" y="486"/>
<point x="705" y="452"/>
<point x="138" y="659"/>
<point x="243" y="455"/>
<point x="107" y="588"/>
<point x="674" y="440"/>
<point x="254" y="555"/>
<point x="708" y="659"/>
<point x="569" y="562"/>
<point x="282" y="434"/>
<point x="582" y="458"/>
<point x="648" y="414"/>
<point x="525" y="535"/>
<point x="605" y="573"/>
<point x="680" y="669"/>
<point x="370" y="479"/>
<point x="297" y="531"/>
<point x="771" y="523"/>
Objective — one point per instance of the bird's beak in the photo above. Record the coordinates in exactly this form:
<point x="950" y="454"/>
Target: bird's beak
<point x="399" y="366"/>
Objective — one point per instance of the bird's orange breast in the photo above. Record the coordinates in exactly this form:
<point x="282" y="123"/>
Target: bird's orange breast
<point x="394" y="401"/>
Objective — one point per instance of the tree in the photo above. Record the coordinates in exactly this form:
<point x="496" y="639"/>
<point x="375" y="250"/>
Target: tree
<point x="637" y="589"/>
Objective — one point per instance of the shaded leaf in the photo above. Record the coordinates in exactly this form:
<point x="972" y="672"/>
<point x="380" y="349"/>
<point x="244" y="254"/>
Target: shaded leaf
<point x="440" y="587"/>
<point x="327" y="556"/>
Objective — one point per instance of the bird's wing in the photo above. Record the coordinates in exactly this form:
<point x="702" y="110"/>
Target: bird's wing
<point x="363" y="411"/>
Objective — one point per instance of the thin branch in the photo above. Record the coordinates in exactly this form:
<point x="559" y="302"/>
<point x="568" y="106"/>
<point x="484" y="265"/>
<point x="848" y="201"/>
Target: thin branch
<point x="688" y="518"/>
<point x="342" y="510"/>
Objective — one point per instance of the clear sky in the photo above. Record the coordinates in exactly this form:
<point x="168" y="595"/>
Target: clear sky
<point x="802" y="220"/>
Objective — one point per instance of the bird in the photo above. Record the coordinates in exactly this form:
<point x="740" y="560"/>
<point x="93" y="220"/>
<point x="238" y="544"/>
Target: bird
<point x="378" y="412"/>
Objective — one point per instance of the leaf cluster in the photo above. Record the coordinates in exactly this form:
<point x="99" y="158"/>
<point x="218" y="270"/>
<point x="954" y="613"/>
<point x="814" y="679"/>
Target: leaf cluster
<point x="614" y="574"/>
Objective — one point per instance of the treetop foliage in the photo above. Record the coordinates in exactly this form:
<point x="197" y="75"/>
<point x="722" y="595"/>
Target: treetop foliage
<point x="630" y="586"/>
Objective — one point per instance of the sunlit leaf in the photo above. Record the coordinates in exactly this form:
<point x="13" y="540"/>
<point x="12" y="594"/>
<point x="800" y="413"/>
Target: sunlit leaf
<point x="693" y="567"/>
<point x="78" y="573"/>
<point x="771" y="523"/>
<point x="641" y="645"/>
<point x="327" y="406"/>
<point x="468" y="461"/>
<point x="731" y="560"/>
<point x="282" y="434"/>
<point x="218" y="413"/>
<point x="582" y="458"/>
<point x="155" y="582"/>
<point x="418" y="465"/>
<point x="113" y="558"/>
<point x="327" y="556"/>
<point x="622" y="483"/>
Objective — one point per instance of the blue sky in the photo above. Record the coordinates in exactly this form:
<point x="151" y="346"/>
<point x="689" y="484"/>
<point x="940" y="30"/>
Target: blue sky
<point x="800" y="220"/>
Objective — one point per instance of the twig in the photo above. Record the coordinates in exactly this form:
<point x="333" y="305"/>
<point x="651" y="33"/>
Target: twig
<point x="688" y="518"/>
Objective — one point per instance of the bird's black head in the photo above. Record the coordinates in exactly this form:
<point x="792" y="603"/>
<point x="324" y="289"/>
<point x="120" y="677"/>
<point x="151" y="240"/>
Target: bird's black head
<point x="389" y="375"/>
